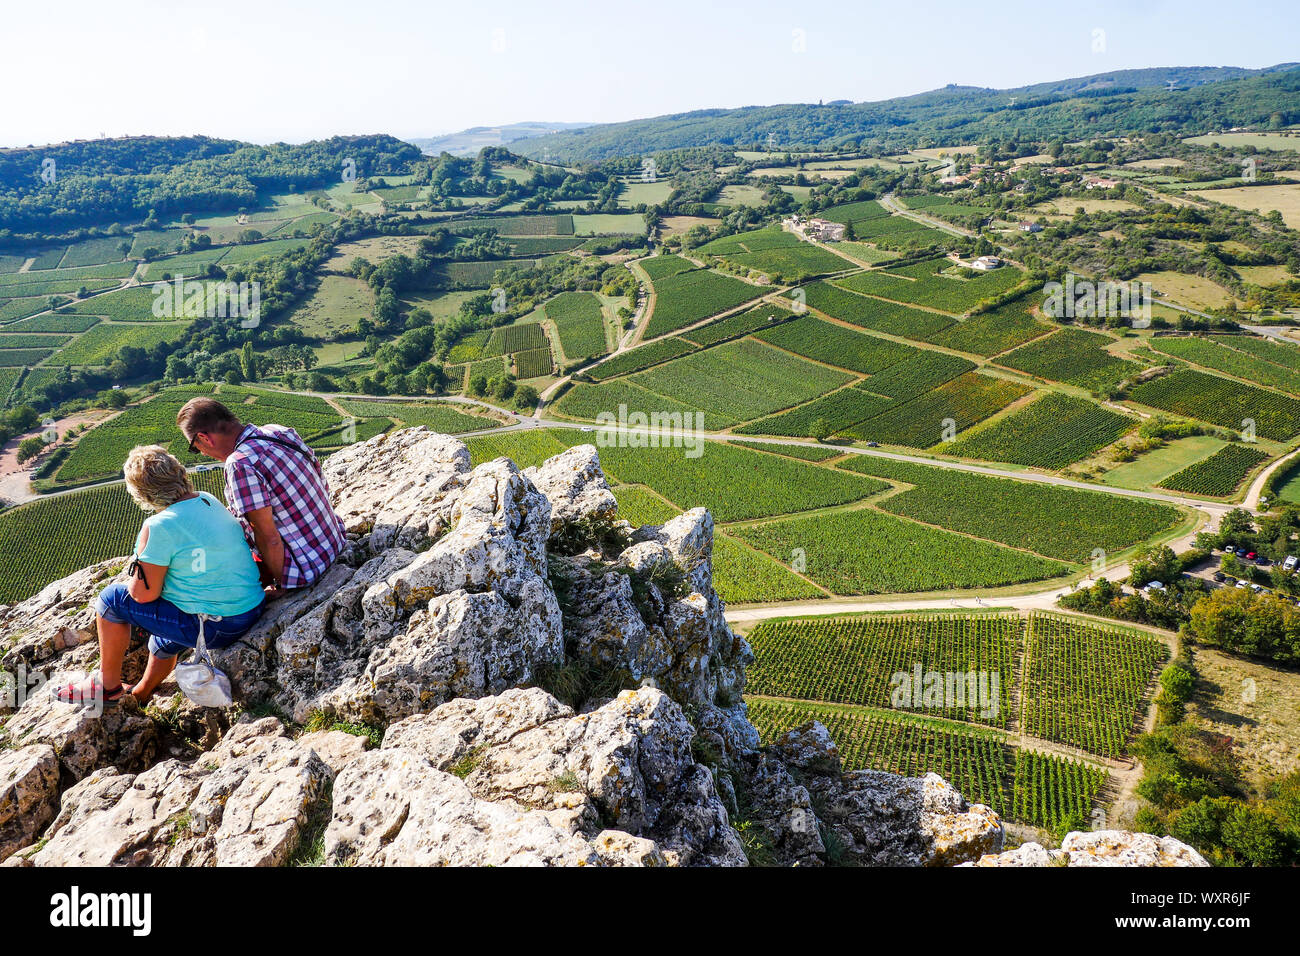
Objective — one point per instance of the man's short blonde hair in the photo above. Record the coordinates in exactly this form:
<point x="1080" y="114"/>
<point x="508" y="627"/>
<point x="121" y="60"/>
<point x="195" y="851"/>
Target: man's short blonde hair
<point x="155" y="478"/>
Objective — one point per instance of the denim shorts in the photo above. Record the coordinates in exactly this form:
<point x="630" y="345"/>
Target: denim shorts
<point x="171" y="630"/>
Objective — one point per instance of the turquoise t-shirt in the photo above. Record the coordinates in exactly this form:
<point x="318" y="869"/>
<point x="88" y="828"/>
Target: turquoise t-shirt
<point x="209" y="567"/>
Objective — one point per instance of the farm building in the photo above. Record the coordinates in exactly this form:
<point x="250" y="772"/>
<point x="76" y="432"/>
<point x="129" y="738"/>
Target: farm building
<point x="825" y="230"/>
<point x="1095" y="182"/>
<point x="1030" y="227"/>
<point x="986" y="263"/>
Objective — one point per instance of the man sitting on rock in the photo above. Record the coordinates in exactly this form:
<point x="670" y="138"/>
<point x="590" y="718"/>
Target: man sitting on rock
<point x="275" y="486"/>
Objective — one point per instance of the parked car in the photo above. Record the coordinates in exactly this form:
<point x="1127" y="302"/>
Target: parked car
<point x="1220" y="576"/>
<point x="1230" y="549"/>
<point x="1262" y="561"/>
<point x="873" y="444"/>
<point x="1290" y="563"/>
<point x="1251" y="556"/>
<point x="1241" y="584"/>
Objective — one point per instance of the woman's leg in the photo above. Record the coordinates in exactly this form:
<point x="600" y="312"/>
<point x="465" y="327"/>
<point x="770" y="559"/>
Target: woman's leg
<point x="114" y="639"/>
<point x="114" y="631"/>
<point x="156" y="671"/>
<point x="170" y="629"/>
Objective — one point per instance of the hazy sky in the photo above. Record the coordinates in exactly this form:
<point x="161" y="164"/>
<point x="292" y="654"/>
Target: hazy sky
<point x="267" y="70"/>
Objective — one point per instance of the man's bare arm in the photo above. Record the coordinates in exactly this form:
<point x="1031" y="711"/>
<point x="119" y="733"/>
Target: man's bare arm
<point x="269" y="543"/>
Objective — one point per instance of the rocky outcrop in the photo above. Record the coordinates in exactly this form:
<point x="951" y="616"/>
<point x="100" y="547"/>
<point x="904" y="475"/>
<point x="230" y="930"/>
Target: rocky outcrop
<point x="550" y="685"/>
<point x="520" y="778"/>
<point x="244" y="803"/>
<point x="29" y="795"/>
<point x="871" y="818"/>
<point x="576" y="487"/>
<point x="1100" y="848"/>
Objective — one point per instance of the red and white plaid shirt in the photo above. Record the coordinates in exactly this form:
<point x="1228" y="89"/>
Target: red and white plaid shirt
<point x="262" y="473"/>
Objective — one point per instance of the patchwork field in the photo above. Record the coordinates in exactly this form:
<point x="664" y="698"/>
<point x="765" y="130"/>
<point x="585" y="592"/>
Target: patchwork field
<point x="731" y="383"/>
<point x="1223" y="402"/>
<point x="1067" y="524"/>
<point x="935" y="284"/>
<point x="862" y="551"/>
<point x="993" y="332"/>
<point x="1262" y="199"/>
<point x="101" y="344"/>
<point x="1219" y="475"/>
<point x="1051" y="432"/>
<point x="1255" y="360"/>
<point x="979" y="674"/>
<point x="948" y="409"/>
<point x="1074" y="356"/>
<point x="335" y="307"/>
<point x="579" y="322"/>
<point x="890" y="318"/>
<point x="687" y="297"/>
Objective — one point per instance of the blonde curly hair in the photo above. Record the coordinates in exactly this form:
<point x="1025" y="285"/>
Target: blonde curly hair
<point x="155" y="479"/>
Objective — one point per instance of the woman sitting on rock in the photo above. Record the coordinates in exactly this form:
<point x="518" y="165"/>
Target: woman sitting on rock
<point x="191" y="562"/>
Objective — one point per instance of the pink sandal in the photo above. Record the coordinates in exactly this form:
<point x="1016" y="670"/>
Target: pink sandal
<point x="97" y="694"/>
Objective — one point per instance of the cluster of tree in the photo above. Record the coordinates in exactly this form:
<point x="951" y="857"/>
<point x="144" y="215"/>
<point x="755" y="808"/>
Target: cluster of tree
<point x="1194" y="784"/>
<point x="1168" y="608"/>
<point x="128" y="179"/>
<point x="15" y="421"/>
<point x="1243" y="622"/>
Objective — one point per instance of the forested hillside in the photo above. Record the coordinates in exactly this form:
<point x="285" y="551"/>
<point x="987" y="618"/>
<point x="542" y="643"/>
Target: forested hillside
<point x="105" y="181"/>
<point x="1102" y="105"/>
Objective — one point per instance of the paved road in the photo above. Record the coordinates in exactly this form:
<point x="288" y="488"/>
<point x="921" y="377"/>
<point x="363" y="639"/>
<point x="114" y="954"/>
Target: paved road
<point x="1036" y="601"/>
<point x="1272" y="332"/>
<point x="1211" y="507"/>
<point x="893" y="206"/>
<point x="1257" y="486"/>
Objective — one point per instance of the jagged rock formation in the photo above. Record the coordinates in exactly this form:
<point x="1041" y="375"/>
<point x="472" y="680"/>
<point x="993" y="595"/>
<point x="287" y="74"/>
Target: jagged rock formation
<point x="1100" y="848"/>
<point x="551" y="684"/>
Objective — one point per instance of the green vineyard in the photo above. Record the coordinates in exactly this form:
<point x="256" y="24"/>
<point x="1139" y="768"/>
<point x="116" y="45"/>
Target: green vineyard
<point x="91" y="526"/>
<point x="1061" y="680"/>
<point x="1221" y="401"/>
<point x="865" y="660"/>
<point x="1084" y="684"/>
<point x="1021" y="785"/>
<point x="1219" y="475"/>
<point x="1051" y="432"/>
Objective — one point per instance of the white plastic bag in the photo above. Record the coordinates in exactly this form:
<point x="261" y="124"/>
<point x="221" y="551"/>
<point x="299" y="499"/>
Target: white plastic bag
<point x="201" y="680"/>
